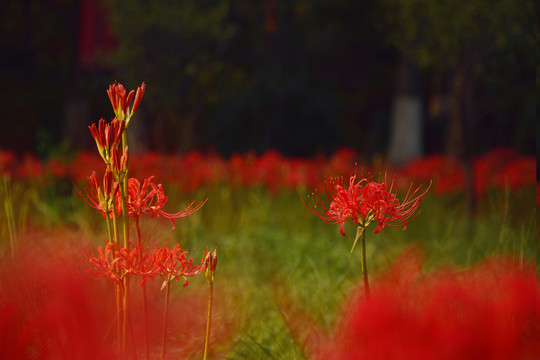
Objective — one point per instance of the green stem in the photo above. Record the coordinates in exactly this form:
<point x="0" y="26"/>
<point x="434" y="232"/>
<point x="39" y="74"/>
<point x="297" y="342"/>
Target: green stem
<point x="115" y="225"/>
<point x="109" y="231"/>
<point x="145" y="306"/>
<point x="125" y="218"/>
<point x="124" y="194"/>
<point x="164" y="340"/>
<point x="209" y="320"/>
<point x="119" y="316"/>
<point x="364" y="265"/>
<point x="126" y="314"/>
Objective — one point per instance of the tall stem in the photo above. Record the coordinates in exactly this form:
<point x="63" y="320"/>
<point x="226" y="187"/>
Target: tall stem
<point x="364" y="265"/>
<point x="164" y="341"/>
<point x="123" y="195"/>
<point x="124" y="191"/>
<point x="126" y="314"/>
<point x="118" y="288"/>
<point x="209" y="320"/>
<point x="109" y="231"/>
<point x="143" y="287"/>
<point x="115" y="225"/>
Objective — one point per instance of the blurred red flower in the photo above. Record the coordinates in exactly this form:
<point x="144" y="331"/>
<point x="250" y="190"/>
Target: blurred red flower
<point x="488" y="311"/>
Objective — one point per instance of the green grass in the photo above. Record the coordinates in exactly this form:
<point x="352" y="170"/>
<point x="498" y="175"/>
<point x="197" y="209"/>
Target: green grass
<point x="264" y="239"/>
<point x="267" y="242"/>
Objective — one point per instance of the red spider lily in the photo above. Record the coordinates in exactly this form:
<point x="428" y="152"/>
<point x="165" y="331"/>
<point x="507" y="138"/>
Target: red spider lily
<point x="150" y="199"/>
<point x="100" y="198"/>
<point x="120" y="101"/>
<point x="104" y="264"/>
<point x="115" y="264"/>
<point x="107" y="136"/>
<point x="171" y="265"/>
<point x="119" y="163"/>
<point x="366" y="201"/>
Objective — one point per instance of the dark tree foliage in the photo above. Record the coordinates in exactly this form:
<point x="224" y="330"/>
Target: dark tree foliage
<point x="39" y="44"/>
<point x="481" y="53"/>
<point x="303" y="77"/>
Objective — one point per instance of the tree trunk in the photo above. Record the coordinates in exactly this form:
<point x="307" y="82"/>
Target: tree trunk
<point x="458" y="141"/>
<point x="406" y="126"/>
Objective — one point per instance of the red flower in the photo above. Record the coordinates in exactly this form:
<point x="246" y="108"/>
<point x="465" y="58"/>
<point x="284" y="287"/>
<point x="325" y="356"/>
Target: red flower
<point x="115" y="264"/>
<point x="107" y="137"/>
<point x="172" y="264"/>
<point x="119" y="163"/>
<point x="210" y="263"/>
<point x="120" y="101"/>
<point x="150" y="199"/>
<point x="365" y="202"/>
<point x="104" y="263"/>
<point x="100" y="198"/>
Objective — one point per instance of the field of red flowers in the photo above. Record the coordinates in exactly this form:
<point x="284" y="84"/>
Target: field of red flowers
<point x="95" y="272"/>
<point x="52" y="309"/>
<point x="497" y="169"/>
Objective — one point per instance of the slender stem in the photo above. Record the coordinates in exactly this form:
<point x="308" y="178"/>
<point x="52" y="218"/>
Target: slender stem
<point x="125" y="217"/>
<point x="364" y="265"/>
<point x="126" y="313"/>
<point x="124" y="192"/>
<point x="109" y="231"/>
<point x="115" y="224"/>
<point x="143" y="287"/>
<point x="209" y="320"/>
<point x="119" y="316"/>
<point x="164" y="341"/>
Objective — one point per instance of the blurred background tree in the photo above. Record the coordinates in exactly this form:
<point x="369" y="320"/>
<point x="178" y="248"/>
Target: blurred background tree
<point x="302" y="77"/>
<point x="478" y="57"/>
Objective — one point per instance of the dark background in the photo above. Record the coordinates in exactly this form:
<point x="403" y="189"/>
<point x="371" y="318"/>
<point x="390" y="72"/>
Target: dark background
<point x="302" y="77"/>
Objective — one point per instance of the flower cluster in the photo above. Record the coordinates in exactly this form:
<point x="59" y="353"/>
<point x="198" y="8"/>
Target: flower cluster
<point x="171" y="264"/>
<point x="120" y="198"/>
<point x="364" y="202"/>
<point x="497" y="169"/>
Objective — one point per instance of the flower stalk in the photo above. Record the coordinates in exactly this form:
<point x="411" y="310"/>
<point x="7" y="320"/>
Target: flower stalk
<point x="210" y="262"/>
<point x="362" y="234"/>
<point x="121" y="197"/>
<point x="165" y="316"/>
<point x="365" y="201"/>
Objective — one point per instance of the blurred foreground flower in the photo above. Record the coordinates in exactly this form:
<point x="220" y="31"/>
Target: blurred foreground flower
<point x="486" y="312"/>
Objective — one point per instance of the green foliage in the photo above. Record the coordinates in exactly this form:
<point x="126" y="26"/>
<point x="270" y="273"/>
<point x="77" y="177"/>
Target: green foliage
<point x="447" y="34"/>
<point x="271" y="243"/>
<point x="216" y="73"/>
<point x="265" y="240"/>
